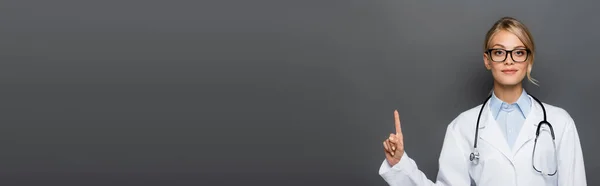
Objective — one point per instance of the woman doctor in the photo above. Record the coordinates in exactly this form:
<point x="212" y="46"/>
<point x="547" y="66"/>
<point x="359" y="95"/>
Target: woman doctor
<point x="511" y="139"/>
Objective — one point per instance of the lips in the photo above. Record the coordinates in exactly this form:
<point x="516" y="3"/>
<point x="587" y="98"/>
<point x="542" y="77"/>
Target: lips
<point x="509" y="71"/>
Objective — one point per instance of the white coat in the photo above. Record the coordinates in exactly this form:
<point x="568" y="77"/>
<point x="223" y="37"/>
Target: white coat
<point x="498" y="164"/>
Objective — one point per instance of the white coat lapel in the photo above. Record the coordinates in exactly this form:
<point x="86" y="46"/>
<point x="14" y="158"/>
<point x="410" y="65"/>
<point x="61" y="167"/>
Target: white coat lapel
<point x="491" y="133"/>
<point x="528" y="129"/>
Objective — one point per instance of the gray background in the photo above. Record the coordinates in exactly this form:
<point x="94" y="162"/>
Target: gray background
<point x="262" y="92"/>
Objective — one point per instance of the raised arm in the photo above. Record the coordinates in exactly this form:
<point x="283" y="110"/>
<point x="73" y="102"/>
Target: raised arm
<point x="400" y="170"/>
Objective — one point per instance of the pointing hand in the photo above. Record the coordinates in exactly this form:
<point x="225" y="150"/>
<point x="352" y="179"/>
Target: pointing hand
<point x="394" y="145"/>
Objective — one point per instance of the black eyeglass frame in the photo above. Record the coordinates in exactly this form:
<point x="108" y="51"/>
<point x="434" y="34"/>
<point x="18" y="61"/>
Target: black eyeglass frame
<point x="489" y="53"/>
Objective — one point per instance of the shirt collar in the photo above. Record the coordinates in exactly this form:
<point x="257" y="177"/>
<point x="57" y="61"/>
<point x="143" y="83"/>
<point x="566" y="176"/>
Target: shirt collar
<point x="523" y="104"/>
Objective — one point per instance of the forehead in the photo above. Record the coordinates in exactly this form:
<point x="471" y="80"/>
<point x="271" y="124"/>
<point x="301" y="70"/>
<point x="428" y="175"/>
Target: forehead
<point x="505" y="39"/>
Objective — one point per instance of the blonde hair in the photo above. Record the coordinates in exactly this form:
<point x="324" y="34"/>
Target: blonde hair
<point x="517" y="28"/>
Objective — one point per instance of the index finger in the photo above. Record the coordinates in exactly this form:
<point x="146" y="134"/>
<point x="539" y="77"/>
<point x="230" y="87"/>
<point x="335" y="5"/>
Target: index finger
<point x="397" y="119"/>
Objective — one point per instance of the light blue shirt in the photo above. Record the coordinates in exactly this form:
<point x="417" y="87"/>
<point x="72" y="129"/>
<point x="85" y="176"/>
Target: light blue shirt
<point x="510" y="117"/>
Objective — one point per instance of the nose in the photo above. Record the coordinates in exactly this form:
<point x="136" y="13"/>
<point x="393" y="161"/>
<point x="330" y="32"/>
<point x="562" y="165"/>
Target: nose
<point x="509" y="59"/>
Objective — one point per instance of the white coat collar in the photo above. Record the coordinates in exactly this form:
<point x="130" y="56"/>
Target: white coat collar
<point x="490" y="131"/>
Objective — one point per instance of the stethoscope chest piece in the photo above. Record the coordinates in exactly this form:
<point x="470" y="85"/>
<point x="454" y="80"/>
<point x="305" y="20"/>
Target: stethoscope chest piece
<point x="474" y="157"/>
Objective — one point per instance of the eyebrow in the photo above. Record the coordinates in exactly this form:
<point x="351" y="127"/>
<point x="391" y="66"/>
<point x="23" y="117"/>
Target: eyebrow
<point x="520" y="46"/>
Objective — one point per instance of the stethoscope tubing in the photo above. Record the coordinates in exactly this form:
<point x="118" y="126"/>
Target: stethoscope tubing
<point x="475" y="154"/>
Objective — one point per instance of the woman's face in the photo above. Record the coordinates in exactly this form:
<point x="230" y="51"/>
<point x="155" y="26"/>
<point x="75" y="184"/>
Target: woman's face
<point x="507" y="71"/>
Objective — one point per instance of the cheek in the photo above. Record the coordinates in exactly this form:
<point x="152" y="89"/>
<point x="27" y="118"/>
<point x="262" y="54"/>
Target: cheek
<point x="497" y="66"/>
<point x="524" y="67"/>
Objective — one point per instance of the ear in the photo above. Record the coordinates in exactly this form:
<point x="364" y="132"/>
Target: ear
<point x="486" y="61"/>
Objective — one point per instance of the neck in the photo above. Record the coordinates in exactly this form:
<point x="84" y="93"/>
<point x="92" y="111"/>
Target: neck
<point x="508" y="93"/>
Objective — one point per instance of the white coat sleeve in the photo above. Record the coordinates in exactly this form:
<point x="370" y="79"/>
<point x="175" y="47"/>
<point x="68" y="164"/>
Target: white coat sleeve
<point x="453" y="165"/>
<point x="571" y="170"/>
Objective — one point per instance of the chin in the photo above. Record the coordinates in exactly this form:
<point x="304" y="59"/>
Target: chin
<point x="509" y="84"/>
<point x="509" y="81"/>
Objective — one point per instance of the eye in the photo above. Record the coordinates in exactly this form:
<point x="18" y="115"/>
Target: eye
<point x="498" y="52"/>
<point x="520" y="52"/>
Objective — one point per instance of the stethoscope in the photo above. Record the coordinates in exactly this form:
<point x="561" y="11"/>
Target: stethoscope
<point x="475" y="154"/>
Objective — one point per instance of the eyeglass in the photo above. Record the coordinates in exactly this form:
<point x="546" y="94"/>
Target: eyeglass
<point x="499" y="55"/>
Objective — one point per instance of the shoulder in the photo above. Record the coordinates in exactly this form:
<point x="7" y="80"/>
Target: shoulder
<point x="474" y="111"/>
<point x="463" y="126"/>
<point x="556" y="112"/>
<point x="466" y="119"/>
<point x="559" y="118"/>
